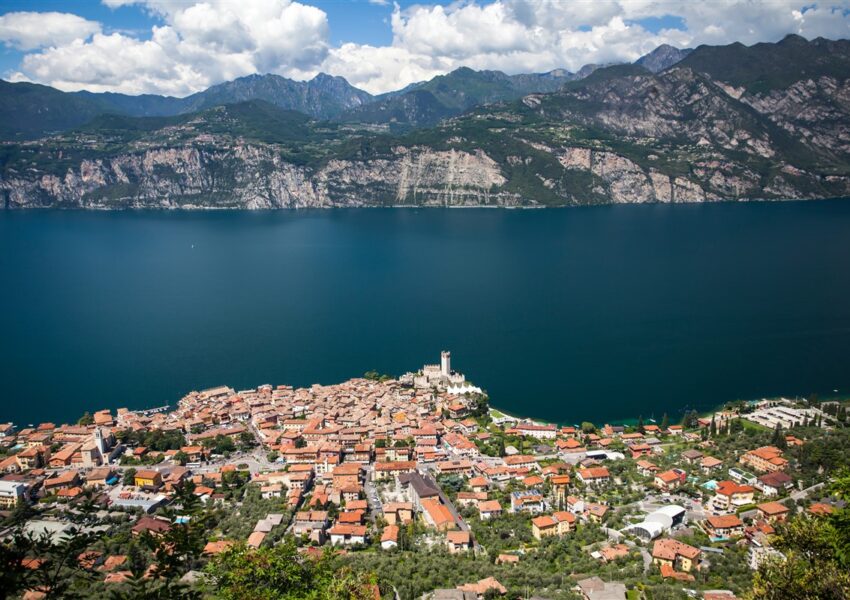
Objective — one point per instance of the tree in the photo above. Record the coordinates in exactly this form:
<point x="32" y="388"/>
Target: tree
<point x="640" y="426"/>
<point x="86" y="419"/>
<point x="180" y="458"/>
<point x="816" y="551"/>
<point x="129" y="476"/>
<point x="279" y="572"/>
<point x="713" y="427"/>
<point x="665" y="422"/>
<point x="778" y="438"/>
<point x="588" y="427"/>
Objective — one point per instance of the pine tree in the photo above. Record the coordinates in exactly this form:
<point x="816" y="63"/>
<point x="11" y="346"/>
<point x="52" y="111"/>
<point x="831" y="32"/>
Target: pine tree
<point x="713" y="430"/>
<point x="665" y="422"/>
<point x="640" y="427"/>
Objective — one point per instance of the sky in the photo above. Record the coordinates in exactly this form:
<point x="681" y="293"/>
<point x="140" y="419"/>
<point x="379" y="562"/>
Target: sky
<point x="178" y="47"/>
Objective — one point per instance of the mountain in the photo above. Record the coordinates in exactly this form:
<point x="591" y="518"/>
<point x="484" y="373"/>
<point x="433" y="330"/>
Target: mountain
<point x="693" y="132"/>
<point x="30" y="110"/>
<point x="662" y="57"/>
<point x="322" y="97"/>
<point x="427" y="103"/>
<point x="764" y="67"/>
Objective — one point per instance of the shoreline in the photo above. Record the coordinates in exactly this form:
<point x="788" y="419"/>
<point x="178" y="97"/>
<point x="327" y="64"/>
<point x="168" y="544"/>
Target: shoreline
<point x="535" y="206"/>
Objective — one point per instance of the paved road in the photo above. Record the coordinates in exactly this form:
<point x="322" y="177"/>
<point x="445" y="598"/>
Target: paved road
<point x="801" y="494"/>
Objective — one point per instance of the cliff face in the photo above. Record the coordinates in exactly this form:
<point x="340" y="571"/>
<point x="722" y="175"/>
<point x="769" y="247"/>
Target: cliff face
<point x="256" y="177"/>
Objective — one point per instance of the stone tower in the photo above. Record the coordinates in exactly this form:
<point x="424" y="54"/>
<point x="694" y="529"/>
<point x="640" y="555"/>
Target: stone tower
<point x="446" y="363"/>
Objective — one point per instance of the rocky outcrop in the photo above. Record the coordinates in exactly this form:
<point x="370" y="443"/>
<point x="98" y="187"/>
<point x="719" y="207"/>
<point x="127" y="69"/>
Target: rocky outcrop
<point x="256" y="177"/>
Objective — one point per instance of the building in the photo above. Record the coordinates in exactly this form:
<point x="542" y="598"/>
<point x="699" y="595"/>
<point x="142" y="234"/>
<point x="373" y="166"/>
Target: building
<point x="594" y="476"/>
<point x="527" y="501"/>
<point x="656" y="523"/>
<point x="593" y="588"/>
<point x="774" y="484"/>
<point x="677" y="555"/>
<point x="489" y="509"/>
<point x="148" y="479"/>
<point x="773" y="512"/>
<point x="11" y="492"/>
<point x="347" y="535"/>
<point x="729" y="494"/>
<point x="723" y="527"/>
<point x="389" y="537"/>
<point x="437" y="515"/>
<point x="556" y="524"/>
<point x="766" y="459"/>
<point x="670" y="480"/>
<point x="458" y="541"/>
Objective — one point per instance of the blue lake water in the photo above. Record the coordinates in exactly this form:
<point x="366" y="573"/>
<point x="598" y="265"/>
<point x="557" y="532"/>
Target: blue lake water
<point x="595" y="313"/>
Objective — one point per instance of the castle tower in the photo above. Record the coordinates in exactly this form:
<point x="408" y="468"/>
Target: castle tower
<point x="98" y="440"/>
<point x="446" y="363"/>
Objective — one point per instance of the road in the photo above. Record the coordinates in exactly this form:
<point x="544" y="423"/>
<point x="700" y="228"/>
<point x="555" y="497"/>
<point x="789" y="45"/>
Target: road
<point x="802" y="494"/>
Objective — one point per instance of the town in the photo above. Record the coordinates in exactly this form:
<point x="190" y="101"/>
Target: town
<point x="418" y="481"/>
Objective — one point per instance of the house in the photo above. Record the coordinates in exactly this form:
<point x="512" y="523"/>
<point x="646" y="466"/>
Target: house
<point x="676" y="554"/>
<point x="388" y="470"/>
<point x="638" y="450"/>
<point x="709" y="464"/>
<point x="482" y="587"/>
<point x="593" y="588"/>
<point x="527" y="501"/>
<point x="646" y="468"/>
<point x="389" y="537"/>
<point x="723" y="527"/>
<point x="437" y="515"/>
<point x="729" y="494"/>
<point x="347" y="535"/>
<point x="153" y="525"/>
<point x="396" y="513"/>
<point x="458" y="541"/>
<point x="507" y="559"/>
<point x="774" y="484"/>
<point x="766" y="459"/>
<point x="595" y="512"/>
<point x="773" y="512"/>
<point x="147" y="478"/>
<point x="311" y="523"/>
<point x="594" y="476"/>
<point x="692" y="456"/>
<point x="489" y="509"/>
<point x="670" y="480"/>
<point x="556" y="524"/>
<point x="64" y="480"/>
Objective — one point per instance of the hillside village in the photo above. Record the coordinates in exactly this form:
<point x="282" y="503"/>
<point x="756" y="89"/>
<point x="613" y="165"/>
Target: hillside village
<point x="380" y="469"/>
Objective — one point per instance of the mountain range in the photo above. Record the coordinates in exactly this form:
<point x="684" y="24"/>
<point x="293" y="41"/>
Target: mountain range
<point x="678" y="125"/>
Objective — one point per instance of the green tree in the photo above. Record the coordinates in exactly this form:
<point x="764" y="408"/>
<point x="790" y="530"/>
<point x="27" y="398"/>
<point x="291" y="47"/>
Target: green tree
<point x="640" y="426"/>
<point x="665" y="422"/>
<point x="129" y="476"/>
<point x="86" y="419"/>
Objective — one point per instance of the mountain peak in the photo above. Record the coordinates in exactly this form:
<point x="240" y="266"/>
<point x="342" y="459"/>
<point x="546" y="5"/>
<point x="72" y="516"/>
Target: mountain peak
<point x="663" y="57"/>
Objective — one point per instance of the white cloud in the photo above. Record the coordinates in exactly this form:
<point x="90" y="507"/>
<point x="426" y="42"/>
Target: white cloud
<point x="31" y="30"/>
<point x="205" y="42"/>
<point x="199" y="45"/>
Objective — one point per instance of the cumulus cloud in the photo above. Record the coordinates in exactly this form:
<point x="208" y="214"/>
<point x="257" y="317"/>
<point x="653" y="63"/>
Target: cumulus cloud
<point x="199" y="44"/>
<point x="31" y="30"/>
<point x="205" y="42"/>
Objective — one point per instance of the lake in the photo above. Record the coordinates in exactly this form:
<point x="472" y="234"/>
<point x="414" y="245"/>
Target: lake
<point x="599" y="313"/>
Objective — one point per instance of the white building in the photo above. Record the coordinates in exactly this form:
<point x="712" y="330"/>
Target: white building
<point x="11" y="492"/>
